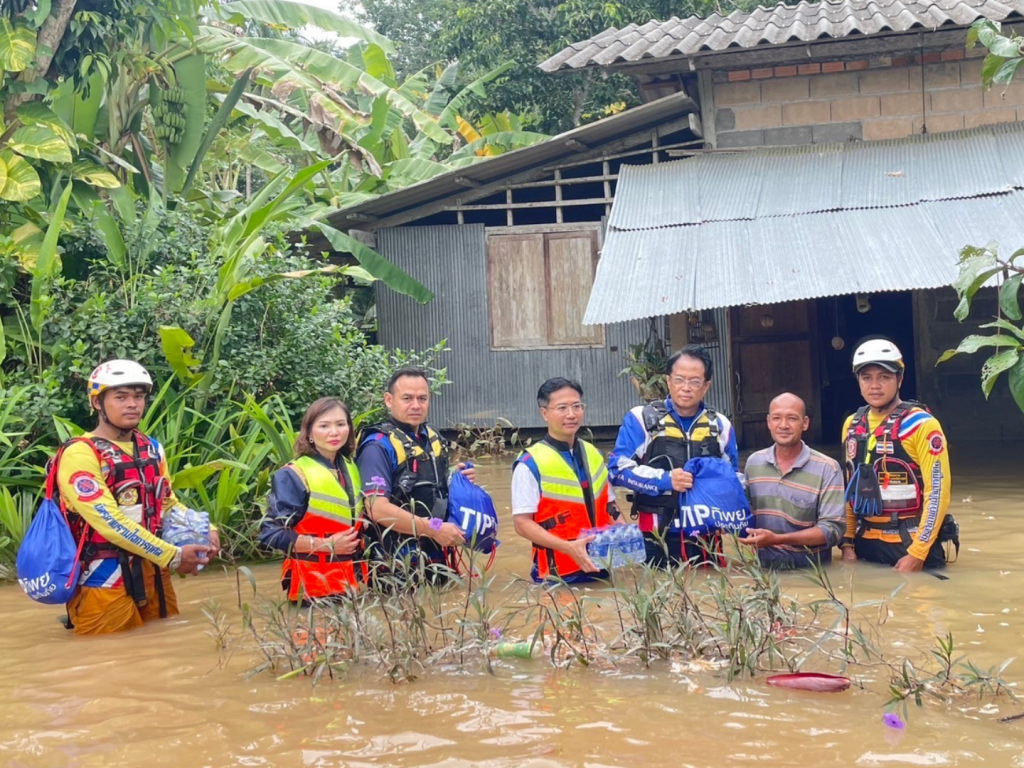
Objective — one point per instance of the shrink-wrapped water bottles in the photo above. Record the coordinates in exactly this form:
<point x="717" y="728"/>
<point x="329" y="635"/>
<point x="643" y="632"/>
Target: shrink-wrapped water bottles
<point x="616" y="546"/>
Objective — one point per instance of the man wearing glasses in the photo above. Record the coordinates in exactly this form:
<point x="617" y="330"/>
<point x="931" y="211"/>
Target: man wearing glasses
<point x="654" y="444"/>
<point x="560" y="488"/>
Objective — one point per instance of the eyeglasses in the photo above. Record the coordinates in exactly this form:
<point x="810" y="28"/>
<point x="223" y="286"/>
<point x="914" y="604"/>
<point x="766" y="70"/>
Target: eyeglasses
<point x="563" y="410"/>
<point x="679" y="381"/>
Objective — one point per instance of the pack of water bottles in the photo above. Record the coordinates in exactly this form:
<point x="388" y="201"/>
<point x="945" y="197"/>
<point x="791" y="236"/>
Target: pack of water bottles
<point x="616" y="546"/>
<point x="183" y="526"/>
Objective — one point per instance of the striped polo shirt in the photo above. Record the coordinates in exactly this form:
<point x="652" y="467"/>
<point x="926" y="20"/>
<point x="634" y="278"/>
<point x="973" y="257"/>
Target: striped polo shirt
<point x="809" y="494"/>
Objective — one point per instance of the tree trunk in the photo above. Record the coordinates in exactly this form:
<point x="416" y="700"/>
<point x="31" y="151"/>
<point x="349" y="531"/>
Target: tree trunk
<point x="47" y="42"/>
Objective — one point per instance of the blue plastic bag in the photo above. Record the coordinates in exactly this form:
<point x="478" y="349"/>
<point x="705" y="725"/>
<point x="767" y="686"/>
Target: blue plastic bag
<point x="49" y="560"/>
<point x="716" y="502"/>
<point x="470" y="507"/>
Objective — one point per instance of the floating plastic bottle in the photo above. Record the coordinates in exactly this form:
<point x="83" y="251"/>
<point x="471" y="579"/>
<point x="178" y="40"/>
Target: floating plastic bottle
<point x="521" y="650"/>
<point x="183" y="526"/>
<point x="616" y="546"/>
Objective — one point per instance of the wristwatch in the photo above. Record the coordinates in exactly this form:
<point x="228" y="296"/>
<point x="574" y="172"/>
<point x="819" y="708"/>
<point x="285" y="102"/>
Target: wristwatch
<point x="175" y="563"/>
<point x="435" y="523"/>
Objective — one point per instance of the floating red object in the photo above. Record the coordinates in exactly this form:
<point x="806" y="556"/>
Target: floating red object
<point x="811" y="681"/>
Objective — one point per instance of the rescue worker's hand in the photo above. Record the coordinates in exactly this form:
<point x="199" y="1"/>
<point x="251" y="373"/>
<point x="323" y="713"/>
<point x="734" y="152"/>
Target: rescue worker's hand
<point x="214" y="549"/>
<point x="193" y="555"/>
<point x="849" y="555"/>
<point x="577" y="550"/>
<point x="468" y="472"/>
<point x="448" y="535"/>
<point x="681" y="480"/>
<point x="909" y="564"/>
<point x="346" y="542"/>
<point x="760" y="538"/>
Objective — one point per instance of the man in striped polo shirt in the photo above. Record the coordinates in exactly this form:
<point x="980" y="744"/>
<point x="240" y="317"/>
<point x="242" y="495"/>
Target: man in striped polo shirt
<point x="796" y="493"/>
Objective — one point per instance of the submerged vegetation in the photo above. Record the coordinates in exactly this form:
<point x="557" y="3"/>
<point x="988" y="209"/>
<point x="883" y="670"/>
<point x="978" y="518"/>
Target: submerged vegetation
<point x="734" y="622"/>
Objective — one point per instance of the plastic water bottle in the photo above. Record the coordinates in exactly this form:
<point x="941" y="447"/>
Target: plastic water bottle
<point x="186" y="526"/>
<point x="637" y="550"/>
<point x="619" y="544"/>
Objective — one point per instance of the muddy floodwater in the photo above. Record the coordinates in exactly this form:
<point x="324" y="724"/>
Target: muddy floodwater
<point x="156" y="696"/>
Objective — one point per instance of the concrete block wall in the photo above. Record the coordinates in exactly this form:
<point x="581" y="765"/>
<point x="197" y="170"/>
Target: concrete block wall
<point x="885" y="98"/>
<point x="953" y="389"/>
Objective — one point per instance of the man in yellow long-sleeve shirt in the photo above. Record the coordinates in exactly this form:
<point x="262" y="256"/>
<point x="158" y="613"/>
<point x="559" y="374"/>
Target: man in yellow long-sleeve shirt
<point x="114" y="484"/>
<point x="897" y="469"/>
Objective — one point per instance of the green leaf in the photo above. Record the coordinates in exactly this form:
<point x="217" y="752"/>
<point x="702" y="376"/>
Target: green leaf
<point x="975" y="342"/>
<point x="66" y="429"/>
<point x="191" y="75"/>
<point x="40" y="142"/>
<point x="1016" y="381"/>
<point x="94" y="174"/>
<point x="476" y="88"/>
<point x="1005" y="74"/>
<point x="37" y="113"/>
<point x="1008" y="302"/>
<point x="3" y="174"/>
<point x="240" y="289"/>
<point x="391" y="275"/>
<point x="17" y="46"/>
<point x="995" y="365"/>
<point x="506" y="140"/>
<point x="261" y="159"/>
<point x="79" y="111"/>
<point x="47" y="263"/>
<point x="190" y="477"/>
<point x="218" y="122"/>
<point x="3" y="343"/>
<point x="402" y="173"/>
<point x="111" y="234"/>
<point x="1003" y="325"/>
<point x="176" y="344"/>
<point x="295" y="15"/>
<point x="977" y="265"/>
<point x="282" y="135"/>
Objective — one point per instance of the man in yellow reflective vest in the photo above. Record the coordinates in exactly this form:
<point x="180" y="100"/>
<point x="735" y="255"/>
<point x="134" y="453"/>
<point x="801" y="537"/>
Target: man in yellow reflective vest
<point x="560" y="488"/>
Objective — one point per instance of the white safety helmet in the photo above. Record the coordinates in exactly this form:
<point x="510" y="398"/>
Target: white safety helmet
<point x="118" y="373"/>
<point x="880" y="352"/>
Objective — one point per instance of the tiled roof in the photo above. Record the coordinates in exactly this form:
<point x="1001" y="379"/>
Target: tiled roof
<point x="804" y="22"/>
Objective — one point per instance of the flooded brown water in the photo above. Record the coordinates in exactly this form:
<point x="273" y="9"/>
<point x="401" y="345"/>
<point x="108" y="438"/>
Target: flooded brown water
<point x="156" y="697"/>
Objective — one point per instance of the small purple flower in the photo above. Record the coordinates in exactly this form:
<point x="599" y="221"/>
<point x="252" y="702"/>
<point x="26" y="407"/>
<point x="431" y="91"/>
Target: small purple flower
<point x="892" y="720"/>
<point x="378" y="482"/>
<point x="496" y="631"/>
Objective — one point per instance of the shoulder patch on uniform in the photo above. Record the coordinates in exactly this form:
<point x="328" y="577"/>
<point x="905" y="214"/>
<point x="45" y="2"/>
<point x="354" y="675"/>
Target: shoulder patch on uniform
<point x="936" y="443"/>
<point x="86" y="487"/>
<point x="911" y="422"/>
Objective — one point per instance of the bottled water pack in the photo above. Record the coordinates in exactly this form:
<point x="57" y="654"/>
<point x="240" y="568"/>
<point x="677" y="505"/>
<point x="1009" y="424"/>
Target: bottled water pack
<point x="616" y="546"/>
<point x="183" y="526"/>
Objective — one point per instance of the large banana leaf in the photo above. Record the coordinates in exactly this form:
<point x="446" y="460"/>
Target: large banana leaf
<point x="458" y="103"/>
<point x="284" y="58"/>
<point x="391" y="275"/>
<point x="242" y="288"/>
<point x="442" y="90"/>
<point x="504" y="141"/>
<point x="191" y="75"/>
<point x="402" y="173"/>
<point x="47" y="262"/>
<point x="218" y="122"/>
<point x="282" y="135"/>
<point x="78" y="111"/>
<point x="295" y="15"/>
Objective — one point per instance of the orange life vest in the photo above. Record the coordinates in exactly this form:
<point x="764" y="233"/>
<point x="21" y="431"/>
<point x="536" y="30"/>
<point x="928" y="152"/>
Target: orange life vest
<point x="333" y="507"/>
<point x="568" y="506"/>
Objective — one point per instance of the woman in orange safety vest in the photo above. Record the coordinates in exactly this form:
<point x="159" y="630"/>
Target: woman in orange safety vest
<point x="314" y="508"/>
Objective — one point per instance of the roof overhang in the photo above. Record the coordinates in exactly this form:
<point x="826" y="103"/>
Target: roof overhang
<point x="769" y="226"/>
<point x="492" y="174"/>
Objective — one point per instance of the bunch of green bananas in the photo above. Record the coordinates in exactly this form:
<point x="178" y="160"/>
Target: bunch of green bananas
<point x="169" y="111"/>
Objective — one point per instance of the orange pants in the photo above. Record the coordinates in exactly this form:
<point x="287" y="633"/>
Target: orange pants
<point x="102" y="610"/>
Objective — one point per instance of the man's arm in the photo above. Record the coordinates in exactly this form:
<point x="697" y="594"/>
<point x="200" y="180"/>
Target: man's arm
<point x="832" y="520"/>
<point x="377" y="468"/>
<point x="846" y="543"/>
<point x="623" y="467"/>
<point x="83" y="489"/>
<point x="927" y="446"/>
<point x="763" y="537"/>
<point x="525" y="500"/>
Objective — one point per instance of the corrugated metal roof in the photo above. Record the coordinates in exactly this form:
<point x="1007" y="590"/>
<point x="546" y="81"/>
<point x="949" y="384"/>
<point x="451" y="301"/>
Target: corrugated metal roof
<point x="805" y="22"/>
<point x="470" y="182"/>
<point x="786" y="224"/>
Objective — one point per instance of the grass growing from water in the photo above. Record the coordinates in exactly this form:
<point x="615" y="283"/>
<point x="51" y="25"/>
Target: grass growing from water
<point x="733" y="622"/>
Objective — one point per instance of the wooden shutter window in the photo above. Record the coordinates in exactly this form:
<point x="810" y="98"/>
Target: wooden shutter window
<point x="571" y="260"/>
<point x="518" y="294"/>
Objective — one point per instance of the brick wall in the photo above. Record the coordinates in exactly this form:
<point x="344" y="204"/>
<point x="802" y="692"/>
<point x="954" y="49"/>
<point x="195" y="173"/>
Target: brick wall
<point x="953" y="389"/>
<point x="869" y="100"/>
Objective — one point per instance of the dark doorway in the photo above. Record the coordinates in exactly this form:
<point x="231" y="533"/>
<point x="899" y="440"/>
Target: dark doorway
<point x="888" y="314"/>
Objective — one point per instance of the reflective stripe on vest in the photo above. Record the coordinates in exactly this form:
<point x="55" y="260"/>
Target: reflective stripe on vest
<point x="327" y="498"/>
<point x="562" y="510"/>
<point x="333" y="507"/>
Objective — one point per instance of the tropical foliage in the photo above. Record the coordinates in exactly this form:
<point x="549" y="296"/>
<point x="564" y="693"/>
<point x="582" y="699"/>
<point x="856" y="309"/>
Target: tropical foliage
<point x="981" y="266"/>
<point x="162" y="164"/>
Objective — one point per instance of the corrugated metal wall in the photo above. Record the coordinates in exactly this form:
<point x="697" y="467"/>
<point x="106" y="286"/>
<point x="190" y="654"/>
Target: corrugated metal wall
<point x="486" y="385"/>
<point x="720" y="395"/>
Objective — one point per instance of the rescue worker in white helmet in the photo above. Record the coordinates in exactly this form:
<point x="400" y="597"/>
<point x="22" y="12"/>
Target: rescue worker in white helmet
<point x="897" y="470"/>
<point x="114" y="486"/>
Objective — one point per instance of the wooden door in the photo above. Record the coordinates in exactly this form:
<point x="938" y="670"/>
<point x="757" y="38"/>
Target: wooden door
<point x="773" y="351"/>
